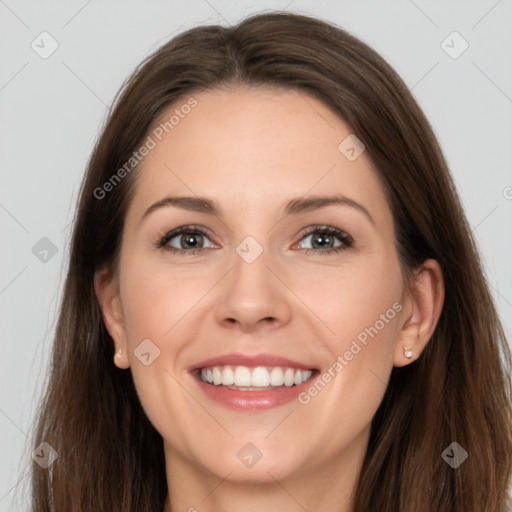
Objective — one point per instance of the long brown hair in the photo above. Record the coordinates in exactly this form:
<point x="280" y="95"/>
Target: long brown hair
<point x="110" y="457"/>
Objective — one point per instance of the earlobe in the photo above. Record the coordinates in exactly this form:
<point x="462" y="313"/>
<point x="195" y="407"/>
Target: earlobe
<point x="106" y="288"/>
<point x="424" y="306"/>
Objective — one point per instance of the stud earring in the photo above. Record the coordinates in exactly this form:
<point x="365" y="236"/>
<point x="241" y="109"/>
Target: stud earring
<point x="407" y="352"/>
<point x="117" y="356"/>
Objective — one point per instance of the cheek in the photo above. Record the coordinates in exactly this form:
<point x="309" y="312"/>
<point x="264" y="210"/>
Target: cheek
<point x="142" y="309"/>
<point x="359" y="357"/>
<point x="359" y="302"/>
<point x="362" y="308"/>
<point x="155" y="299"/>
<point x="155" y="305"/>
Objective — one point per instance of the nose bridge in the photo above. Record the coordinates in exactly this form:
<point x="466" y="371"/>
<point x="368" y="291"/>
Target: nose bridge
<point x="251" y="290"/>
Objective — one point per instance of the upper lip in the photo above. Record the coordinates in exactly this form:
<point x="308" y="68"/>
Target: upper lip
<point x="250" y="360"/>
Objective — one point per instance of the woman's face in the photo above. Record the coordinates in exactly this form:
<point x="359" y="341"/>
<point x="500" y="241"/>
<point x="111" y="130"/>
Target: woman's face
<point x="259" y="280"/>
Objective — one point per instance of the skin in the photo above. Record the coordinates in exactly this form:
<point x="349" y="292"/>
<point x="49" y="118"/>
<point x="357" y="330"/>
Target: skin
<point x="252" y="150"/>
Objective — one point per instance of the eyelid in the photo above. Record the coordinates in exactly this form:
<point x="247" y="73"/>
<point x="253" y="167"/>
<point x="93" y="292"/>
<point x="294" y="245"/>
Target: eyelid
<point x="346" y="240"/>
<point x="163" y="240"/>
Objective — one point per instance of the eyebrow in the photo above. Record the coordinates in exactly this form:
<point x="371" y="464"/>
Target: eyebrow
<point x="293" y="207"/>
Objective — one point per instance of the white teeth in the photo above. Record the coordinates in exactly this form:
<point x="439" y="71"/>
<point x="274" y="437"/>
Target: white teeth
<point x="259" y="376"/>
<point x="228" y="377"/>
<point x="276" y="377"/>
<point x="289" y="376"/>
<point x="242" y="376"/>
<point x="217" y="376"/>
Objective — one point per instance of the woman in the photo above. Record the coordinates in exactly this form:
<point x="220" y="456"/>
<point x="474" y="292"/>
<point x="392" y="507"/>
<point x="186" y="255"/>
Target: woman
<point x="252" y="370"/>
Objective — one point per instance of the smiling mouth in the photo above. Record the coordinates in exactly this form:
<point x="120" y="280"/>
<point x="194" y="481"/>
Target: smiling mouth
<point x="258" y="378"/>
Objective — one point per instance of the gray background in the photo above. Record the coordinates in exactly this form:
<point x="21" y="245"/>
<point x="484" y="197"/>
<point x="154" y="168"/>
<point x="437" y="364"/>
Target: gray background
<point x="52" y="109"/>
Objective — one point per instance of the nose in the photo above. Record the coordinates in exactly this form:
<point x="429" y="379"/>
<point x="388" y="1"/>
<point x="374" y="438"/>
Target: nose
<point x="253" y="296"/>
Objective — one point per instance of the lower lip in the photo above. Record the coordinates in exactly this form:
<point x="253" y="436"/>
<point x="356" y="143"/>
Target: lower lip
<point x="252" y="400"/>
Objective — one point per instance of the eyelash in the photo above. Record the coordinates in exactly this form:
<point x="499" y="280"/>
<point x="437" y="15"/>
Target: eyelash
<point x="344" y="237"/>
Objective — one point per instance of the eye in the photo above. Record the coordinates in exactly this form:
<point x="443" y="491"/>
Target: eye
<point x="190" y="239"/>
<point x="324" y="238"/>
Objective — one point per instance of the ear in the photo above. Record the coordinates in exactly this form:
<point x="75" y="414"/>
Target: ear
<point x="106" y="287"/>
<point x="422" y="311"/>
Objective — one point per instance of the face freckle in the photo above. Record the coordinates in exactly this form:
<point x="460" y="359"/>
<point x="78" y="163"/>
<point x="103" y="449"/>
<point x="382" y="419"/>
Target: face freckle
<point x="258" y="284"/>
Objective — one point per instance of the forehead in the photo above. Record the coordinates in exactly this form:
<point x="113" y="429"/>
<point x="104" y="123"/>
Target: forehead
<point x="253" y="146"/>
